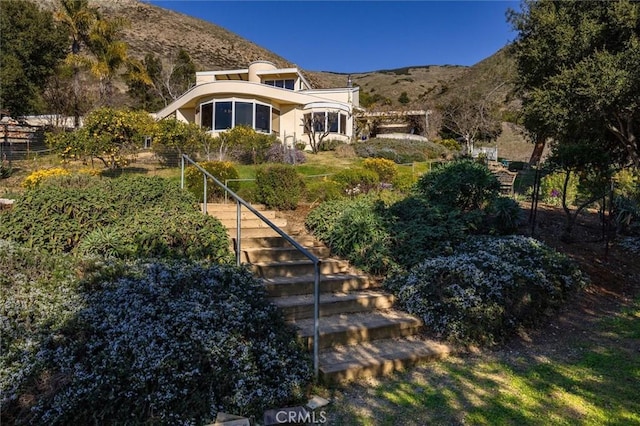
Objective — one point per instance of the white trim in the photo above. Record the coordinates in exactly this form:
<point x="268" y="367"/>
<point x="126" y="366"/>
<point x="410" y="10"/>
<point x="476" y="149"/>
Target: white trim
<point x="327" y="105"/>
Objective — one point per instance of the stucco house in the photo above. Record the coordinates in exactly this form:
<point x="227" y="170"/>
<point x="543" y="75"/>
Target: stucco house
<point x="268" y="99"/>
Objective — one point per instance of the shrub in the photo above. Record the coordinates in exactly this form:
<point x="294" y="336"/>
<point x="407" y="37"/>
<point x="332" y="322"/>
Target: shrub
<point x="462" y="184"/>
<point x="278" y="153"/>
<point x="626" y="215"/>
<point x="221" y="170"/>
<point x="420" y="230"/>
<point x="173" y="138"/>
<point x="168" y="344"/>
<point x="279" y="187"/>
<point x="245" y="145"/>
<point x="39" y="296"/>
<point x="35" y="178"/>
<point x="356" y="181"/>
<point x="400" y="150"/>
<point x="355" y="229"/>
<point x="505" y="215"/>
<point x="321" y="190"/>
<point x="552" y="185"/>
<point x="345" y="151"/>
<point x="450" y="144"/>
<point x="385" y="169"/>
<point x="5" y="170"/>
<point x="330" y="144"/>
<point x="150" y="213"/>
<point x="487" y="289"/>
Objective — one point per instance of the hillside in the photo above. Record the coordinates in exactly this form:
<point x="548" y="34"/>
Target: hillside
<point x="163" y="32"/>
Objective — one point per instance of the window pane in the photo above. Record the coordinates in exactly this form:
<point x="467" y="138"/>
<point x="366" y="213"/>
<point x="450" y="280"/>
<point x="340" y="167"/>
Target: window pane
<point x="318" y="121"/>
<point x="206" y="116"/>
<point x="270" y="82"/>
<point x="333" y="122"/>
<point x="263" y="118"/>
<point x="289" y="84"/>
<point x="244" y="114"/>
<point x="279" y="83"/>
<point x="343" y="124"/>
<point x="223" y="115"/>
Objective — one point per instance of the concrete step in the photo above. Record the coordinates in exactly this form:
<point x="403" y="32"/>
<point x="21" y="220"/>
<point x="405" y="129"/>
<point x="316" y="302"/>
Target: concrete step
<point x="281" y="254"/>
<point x="266" y="242"/>
<point x="253" y="223"/>
<point x="350" y="329"/>
<point x="379" y="357"/>
<point x="300" y="307"/>
<point x="231" y="206"/>
<point x="295" y="268"/>
<point x="245" y="214"/>
<point x="254" y="232"/>
<point x="329" y="283"/>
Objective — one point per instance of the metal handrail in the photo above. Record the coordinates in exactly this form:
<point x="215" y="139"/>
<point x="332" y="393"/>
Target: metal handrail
<point x="316" y="262"/>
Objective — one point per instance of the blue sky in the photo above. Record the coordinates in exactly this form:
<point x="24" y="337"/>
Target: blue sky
<point x="357" y="36"/>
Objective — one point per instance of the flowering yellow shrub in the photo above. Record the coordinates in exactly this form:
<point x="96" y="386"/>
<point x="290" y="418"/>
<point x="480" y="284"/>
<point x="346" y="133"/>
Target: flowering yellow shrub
<point x="89" y="171"/>
<point x="386" y="169"/>
<point x="37" y="177"/>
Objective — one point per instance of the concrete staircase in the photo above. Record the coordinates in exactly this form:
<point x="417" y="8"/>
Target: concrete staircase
<point x="361" y="334"/>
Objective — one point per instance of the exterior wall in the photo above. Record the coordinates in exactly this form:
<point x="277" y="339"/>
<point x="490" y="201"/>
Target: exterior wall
<point x="257" y="66"/>
<point x="188" y="115"/>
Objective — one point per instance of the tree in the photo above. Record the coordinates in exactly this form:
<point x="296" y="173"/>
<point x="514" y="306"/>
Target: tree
<point x="317" y="126"/>
<point x="471" y="116"/>
<point x="110" y="54"/>
<point x="110" y="135"/>
<point x="78" y="18"/>
<point x="174" y="138"/>
<point x="147" y="91"/>
<point x="404" y="98"/>
<point x="32" y="46"/>
<point x="579" y="68"/>
<point x="165" y="83"/>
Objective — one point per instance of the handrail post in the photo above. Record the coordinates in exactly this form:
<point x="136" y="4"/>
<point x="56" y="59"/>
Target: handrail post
<point x="316" y="320"/>
<point x="226" y="194"/>
<point x="204" y="196"/>
<point x="238" y="233"/>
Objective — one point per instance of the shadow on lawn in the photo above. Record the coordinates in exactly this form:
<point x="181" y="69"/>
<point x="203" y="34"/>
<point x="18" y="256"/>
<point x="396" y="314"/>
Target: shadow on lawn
<point x="597" y="383"/>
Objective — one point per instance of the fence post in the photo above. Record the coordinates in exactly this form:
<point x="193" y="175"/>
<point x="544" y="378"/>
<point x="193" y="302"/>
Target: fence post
<point x="182" y="173"/>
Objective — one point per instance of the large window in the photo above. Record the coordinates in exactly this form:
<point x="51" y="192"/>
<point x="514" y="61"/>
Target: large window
<point x="334" y="121"/>
<point x="224" y="115"/>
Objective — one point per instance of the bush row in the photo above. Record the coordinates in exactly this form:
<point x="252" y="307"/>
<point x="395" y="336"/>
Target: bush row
<point x="453" y="201"/>
<point x="127" y="217"/>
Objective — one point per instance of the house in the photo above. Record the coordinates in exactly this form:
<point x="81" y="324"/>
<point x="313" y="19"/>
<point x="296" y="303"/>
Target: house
<point x="269" y="99"/>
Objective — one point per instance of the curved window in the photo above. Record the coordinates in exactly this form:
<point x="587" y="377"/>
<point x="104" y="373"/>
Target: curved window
<point x="226" y="114"/>
<point x="335" y="122"/>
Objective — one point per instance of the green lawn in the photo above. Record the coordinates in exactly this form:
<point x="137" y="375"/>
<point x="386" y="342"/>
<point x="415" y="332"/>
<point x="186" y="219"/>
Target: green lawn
<point x="591" y="380"/>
